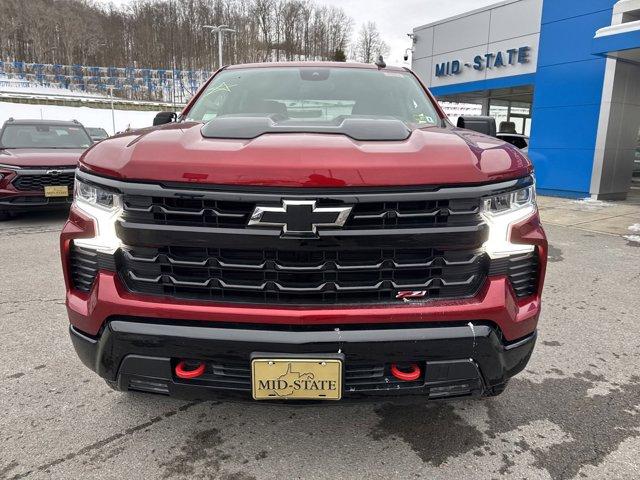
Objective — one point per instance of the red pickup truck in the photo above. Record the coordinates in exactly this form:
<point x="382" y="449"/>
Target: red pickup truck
<point x="38" y="159"/>
<point x="305" y="231"/>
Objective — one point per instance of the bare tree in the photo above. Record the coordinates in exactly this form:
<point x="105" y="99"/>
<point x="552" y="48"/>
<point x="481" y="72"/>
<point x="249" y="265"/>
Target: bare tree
<point x="369" y="44"/>
<point x="167" y="34"/>
<point x="151" y="33"/>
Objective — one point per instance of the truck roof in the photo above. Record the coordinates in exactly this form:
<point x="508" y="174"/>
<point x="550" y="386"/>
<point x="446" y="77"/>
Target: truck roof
<point x="368" y="66"/>
<point x="15" y="121"/>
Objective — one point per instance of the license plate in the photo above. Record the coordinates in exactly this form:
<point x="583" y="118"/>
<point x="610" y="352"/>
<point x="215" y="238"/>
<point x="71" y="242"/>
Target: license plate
<point x="296" y="379"/>
<point x="56" y="191"/>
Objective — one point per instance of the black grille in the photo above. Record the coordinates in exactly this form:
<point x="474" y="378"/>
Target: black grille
<point x="84" y="267"/>
<point x="523" y="272"/>
<point x="365" y="215"/>
<point x="318" y="276"/>
<point x="28" y="182"/>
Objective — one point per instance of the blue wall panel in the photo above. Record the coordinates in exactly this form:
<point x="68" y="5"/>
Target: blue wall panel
<point x="555" y="10"/>
<point x="562" y="170"/>
<point x="565" y="127"/>
<point x="563" y="77"/>
<point x="567" y="96"/>
<point x="570" y="40"/>
<point x="616" y="43"/>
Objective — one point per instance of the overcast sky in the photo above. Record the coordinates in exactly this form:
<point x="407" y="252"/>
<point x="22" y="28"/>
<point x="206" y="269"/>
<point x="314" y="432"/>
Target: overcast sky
<point x="395" y="18"/>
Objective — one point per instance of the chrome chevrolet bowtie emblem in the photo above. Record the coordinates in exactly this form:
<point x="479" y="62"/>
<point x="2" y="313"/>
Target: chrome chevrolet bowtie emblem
<point x="299" y="217"/>
<point x="54" y="172"/>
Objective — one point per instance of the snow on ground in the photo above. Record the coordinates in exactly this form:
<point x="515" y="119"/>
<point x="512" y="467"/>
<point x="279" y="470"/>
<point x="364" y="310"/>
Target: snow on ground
<point x="89" y="117"/>
<point x="633" y="238"/>
<point x="16" y="85"/>
<point x="591" y="204"/>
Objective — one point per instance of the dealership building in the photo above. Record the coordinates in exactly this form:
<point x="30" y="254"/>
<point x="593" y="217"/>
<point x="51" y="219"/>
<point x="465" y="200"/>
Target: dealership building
<point x="564" y="72"/>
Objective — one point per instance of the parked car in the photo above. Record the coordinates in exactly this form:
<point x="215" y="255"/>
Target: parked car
<point x="38" y="159"/>
<point x="305" y="231"/>
<point x="97" y="133"/>
<point x="515" y="139"/>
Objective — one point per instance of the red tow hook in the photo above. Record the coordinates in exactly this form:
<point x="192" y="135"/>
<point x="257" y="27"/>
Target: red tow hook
<point x="406" y="374"/>
<point x="186" y="369"/>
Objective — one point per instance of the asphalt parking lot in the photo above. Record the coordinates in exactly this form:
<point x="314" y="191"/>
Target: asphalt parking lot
<point x="574" y="412"/>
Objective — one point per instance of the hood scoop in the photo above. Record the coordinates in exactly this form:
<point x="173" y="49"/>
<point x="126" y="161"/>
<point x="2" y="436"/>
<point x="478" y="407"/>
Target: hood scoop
<point x="246" y="127"/>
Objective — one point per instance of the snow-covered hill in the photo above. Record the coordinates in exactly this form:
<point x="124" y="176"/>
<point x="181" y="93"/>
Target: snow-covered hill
<point x="90" y="117"/>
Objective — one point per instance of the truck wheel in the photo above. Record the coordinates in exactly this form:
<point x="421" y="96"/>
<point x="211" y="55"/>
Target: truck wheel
<point x="4" y="216"/>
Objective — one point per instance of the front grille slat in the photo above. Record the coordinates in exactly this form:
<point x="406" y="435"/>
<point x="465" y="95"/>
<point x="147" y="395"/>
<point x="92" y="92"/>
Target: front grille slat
<point x="372" y="276"/>
<point x="366" y="215"/>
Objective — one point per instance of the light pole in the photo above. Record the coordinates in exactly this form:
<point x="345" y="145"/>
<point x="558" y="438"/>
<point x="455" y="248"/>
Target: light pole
<point x="219" y="29"/>
<point x="113" y="115"/>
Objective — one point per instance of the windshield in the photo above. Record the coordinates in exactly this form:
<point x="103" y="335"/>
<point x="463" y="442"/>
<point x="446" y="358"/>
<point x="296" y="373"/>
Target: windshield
<point x="315" y="96"/>
<point x="97" y="132"/>
<point x="44" y="136"/>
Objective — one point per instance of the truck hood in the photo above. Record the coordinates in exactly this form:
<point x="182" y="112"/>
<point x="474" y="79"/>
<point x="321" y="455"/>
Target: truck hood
<point x="430" y="156"/>
<point x="40" y="157"/>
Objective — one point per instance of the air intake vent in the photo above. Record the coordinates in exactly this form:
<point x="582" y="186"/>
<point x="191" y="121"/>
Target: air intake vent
<point x="523" y="274"/>
<point x="84" y="268"/>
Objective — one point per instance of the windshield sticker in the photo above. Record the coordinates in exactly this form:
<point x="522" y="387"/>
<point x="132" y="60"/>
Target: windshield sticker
<point x="422" y="118"/>
<point x="223" y="87"/>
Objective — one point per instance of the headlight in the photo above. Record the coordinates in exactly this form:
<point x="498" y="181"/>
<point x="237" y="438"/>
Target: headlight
<point x="105" y="207"/>
<point x="503" y="210"/>
<point x="5" y="171"/>
<point x="93" y="195"/>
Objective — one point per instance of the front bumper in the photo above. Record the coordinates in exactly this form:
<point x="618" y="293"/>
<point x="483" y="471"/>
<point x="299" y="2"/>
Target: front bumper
<point x="32" y="201"/>
<point x="457" y="360"/>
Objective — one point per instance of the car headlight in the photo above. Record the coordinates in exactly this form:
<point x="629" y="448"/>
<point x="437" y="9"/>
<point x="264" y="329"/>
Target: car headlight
<point x="105" y="207"/>
<point x="503" y="210"/>
<point x="5" y="171"/>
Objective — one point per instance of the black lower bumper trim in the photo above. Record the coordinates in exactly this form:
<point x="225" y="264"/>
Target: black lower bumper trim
<point x="34" y="203"/>
<point x="465" y="359"/>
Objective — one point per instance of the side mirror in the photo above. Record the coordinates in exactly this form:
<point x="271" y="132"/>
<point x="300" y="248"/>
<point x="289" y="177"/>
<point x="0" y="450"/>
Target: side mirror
<point x="164" y="117"/>
<point x="486" y="125"/>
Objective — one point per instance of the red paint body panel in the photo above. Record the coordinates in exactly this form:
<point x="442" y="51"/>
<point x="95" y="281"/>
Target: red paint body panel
<point x="430" y="156"/>
<point x="40" y="157"/>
